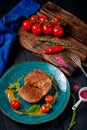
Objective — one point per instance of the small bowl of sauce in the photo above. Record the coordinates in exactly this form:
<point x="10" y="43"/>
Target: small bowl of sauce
<point x="83" y="94"/>
<point x="82" y="97"/>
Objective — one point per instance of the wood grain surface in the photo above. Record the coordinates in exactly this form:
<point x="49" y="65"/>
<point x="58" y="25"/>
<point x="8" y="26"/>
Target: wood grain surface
<point x="75" y="37"/>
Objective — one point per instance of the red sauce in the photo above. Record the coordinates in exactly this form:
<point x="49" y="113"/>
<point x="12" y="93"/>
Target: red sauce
<point x="83" y="94"/>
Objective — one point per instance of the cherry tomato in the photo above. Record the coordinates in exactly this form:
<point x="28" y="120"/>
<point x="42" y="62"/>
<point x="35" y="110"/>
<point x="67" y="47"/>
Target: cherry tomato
<point x="49" y="99"/>
<point x="43" y="18"/>
<point x="26" y="25"/>
<point x="45" y="108"/>
<point x="58" y="31"/>
<point x="15" y="104"/>
<point x="55" y="21"/>
<point x="36" y="28"/>
<point x="47" y="28"/>
<point x="33" y="18"/>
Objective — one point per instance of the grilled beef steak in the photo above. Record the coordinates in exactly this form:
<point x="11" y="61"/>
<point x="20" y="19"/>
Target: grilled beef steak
<point x="37" y="85"/>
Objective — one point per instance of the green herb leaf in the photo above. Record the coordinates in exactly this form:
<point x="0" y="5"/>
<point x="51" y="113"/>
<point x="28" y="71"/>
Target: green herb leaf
<point x="49" y="105"/>
<point x="33" y="109"/>
<point x="14" y="86"/>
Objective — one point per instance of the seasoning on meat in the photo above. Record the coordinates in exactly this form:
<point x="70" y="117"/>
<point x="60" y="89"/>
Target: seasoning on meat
<point x="37" y="85"/>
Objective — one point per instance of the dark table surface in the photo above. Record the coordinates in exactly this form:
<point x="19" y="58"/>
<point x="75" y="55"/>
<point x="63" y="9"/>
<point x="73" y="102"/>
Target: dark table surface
<point x="21" y="55"/>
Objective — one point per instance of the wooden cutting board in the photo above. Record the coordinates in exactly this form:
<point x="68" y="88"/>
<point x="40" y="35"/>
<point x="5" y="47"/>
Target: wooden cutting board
<point x="75" y="36"/>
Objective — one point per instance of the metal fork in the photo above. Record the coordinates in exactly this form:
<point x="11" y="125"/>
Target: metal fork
<point x="77" y="61"/>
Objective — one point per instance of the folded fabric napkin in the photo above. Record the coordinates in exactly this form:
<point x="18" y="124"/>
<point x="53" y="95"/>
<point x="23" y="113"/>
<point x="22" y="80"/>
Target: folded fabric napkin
<point x="8" y="26"/>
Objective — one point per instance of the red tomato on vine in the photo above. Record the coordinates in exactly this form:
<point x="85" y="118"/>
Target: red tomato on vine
<point x="33" y="18"/>
<point x="43" y="18"/>
<point x="58" y="31"/>
<point x="47" y="28"/>
<point x="36" y="29"/>
<point x="55" y="21"/>
<point x="26" y="24"/>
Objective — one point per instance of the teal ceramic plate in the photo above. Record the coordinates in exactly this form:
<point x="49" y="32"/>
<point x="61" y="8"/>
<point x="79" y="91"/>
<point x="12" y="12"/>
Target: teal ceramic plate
<point x="19" y="70"/>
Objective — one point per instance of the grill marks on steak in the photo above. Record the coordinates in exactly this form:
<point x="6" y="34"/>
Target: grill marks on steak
<point x="37" y="85"/>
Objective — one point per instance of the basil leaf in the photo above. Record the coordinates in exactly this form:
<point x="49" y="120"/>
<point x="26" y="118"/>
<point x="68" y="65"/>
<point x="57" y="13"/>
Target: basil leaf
<point x="33" y="109"/>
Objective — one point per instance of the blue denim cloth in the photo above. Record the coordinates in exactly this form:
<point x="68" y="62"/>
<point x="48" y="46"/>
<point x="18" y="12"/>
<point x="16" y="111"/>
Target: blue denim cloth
<point x="8" y="27"/>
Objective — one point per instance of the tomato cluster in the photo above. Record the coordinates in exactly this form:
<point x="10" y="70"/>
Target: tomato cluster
<point x="43" y="24"/>
<point x="45" y="108"/>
